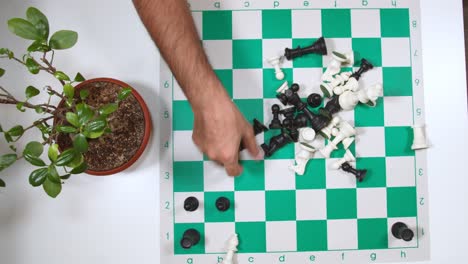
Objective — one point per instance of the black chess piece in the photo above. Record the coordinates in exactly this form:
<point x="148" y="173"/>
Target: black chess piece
<point x="318" y="47"/>
<point x="300" y="120"/>
<point x="258" y="127"/>
<point x="360" y="174"/>
<point x="314" y="100"/>
<point x="332" y="107"/>
<point x="401" y="231"/>
<point x="190" y="238"/>
<point x="289" y="112"/>
<point x="191" y="204"/>
<point x="294" y="134"/>
<point x="223" y="204"/>
<point x="365" y="66"/>
<point x="276" y="143"/>
<point x="275" y="122"/>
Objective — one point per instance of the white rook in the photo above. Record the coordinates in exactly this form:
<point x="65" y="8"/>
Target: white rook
<point x="419" y="140"/>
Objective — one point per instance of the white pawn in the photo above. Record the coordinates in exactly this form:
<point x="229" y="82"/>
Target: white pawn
<point x="283" y="87"/>
<point x="419" y="140"/>
<point x="351" y="85"/>
<point x="370" y="95"/>
<point x="348" y="157"/>
<point x="327" y="88"/>
<point x="345" y="130"/>
<point x="347" y="142"/>
<point x="326" y="132"/>
<point x="348" y="100"/>
<point x="345" y="58"/>
<point x="338" y="60"/>
<point x="275" y="62"/>
<point x="231" y="244"/>
<point x="306" y="137"/>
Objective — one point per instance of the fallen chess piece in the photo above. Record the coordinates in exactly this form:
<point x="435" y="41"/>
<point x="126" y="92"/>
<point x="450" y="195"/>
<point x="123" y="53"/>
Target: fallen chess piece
<point x="276" y="143"/>
<point x="332" y="107"/>
<point x="345" y="130"/>
<point x="347" y="142"/>
<point x="318" y="47"/>
<point x="348" y="100"/>
<point x="360" y="174"/>
<point x="348" y="157"/>
<point x="353" y="82"/>
<point x="258" y="128"/>
<point x="283" y="87"/>
<point x="231" y="248"/>
<point x="275" y="62"/>
<point x="306" y="137"/>
<point x="338" y="80"/>
<point x="419" y="139"/>
<point x="337" y="61"/>
<point x="401" y="231"/>
<point x="370" y="95"/>
<point x="326" y="132"/>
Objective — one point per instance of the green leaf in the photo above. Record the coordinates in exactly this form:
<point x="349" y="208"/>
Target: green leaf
<point x="52" y="188"/>
<point x="79" y="158"/>
<point x="69" y="90"/>
<point x="53" y="174"/>
<point x="39" y="110"/>
<point x="108" y="109"/>
<point x="65" y="129"/>
<point x="34" y="148"/>
<point x="53" y="152"/>
<point x="32" y="65"/>
<point x="20" y="107"/>
<point x="72" y="118"/>
<point x="80" y="143"/>
<point x="79" y="78"/>
<point x="24" y="29"/>
<point x="7" y="160"/>
<point x="96" y="126"/>
<point x="61" y="76"/>
<point x="65" y="177"/>
<point x="2" y="183"/>
<point x="80" y="168"/>
<point x="37" y="177"/>
<point x="124" y="93"/>
<point x="39" y="20"/>
<point x="66" y="157"/>
<point x="38" y="45"/>
<point x="33" y="160"/>
<point x="31" y="91"/>
<point x="84" y="94"/>
<point x="12" y="148"/>
<point x="84" y="112"/>
<point x="4" y="51"/>
<point x="63" y="39"/>
<point x="2" y="72"/>
<point x="16" y="131"/>
<point x="8" y="138"/>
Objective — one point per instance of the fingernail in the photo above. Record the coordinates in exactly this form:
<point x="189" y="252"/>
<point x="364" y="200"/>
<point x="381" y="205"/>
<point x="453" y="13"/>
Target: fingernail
<point x="260" y="154"/>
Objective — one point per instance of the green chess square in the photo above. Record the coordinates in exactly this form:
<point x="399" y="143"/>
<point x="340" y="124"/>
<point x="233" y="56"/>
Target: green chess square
<point x="252" y="177"/>
<point x="252" y="237"/>
<point x="376" y="172"/>
<point x="183" y="115"/>
<point x="309" y="60"/>
<point x="369" y="49"/>
<point x="225" y="76"/>
<point x="394" y="22"/>
<point x="188" y="176"/>
<point x="340" y="152"/>
<point x="280" y="205"/>
<point x="276" y="24"/>
<point x="217" y="25"/>
<point x="397" y="81"/>
<point x="212" y="214"/>
<point x="270" y="83"/>
<point x="247" y="53"/>
<point x="372" y="233"/>
<point x="250" y="108"/>
<point x="179" y="230"/>
<point x="314" y="176"/>
<point x="336" y="23"/>
<point x="370" y="116"/>
<point x="311" y="235"/>
<point x="286" y="152"/>
<point x="401" y="202"/>
<point x="398" y="141"/>
<point x="341" y="204"/>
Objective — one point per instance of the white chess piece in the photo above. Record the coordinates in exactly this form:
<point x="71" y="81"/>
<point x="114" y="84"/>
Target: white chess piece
<point x="348" y="100"/>
<point x="345" y="58"/>
<point x="419" y="141"/>
<point x="345" y="130"/>
<point x="347" y="142"/>
<point x="275" y="62"/>
<point x="348" y="157"/>
<point x="351" y="85"/>
<point x="306" y="137"/>
<point x="335" y="131"/>
<point x="231" y="247"/>
<point x="370" y="95"/>
<point x="283" y="87"/>
<point x="327" y="88"/>
<point x="337" y="61"/>
<point x="326" y="132"/>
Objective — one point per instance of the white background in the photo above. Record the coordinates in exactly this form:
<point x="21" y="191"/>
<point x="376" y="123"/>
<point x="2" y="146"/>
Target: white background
<point x="114" y="219"/>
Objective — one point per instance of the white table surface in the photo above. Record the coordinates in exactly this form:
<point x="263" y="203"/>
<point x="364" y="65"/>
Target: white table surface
<point x="99" y="220"/>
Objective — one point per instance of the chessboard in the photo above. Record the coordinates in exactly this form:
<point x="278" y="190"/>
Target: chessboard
<point x="325" y="215"/>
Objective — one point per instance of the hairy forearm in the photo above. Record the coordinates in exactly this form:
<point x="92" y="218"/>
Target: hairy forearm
<point x="171" y="26"/>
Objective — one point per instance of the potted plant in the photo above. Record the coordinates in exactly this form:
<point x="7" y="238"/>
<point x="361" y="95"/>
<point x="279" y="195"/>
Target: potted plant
<point x="100" y="126"/>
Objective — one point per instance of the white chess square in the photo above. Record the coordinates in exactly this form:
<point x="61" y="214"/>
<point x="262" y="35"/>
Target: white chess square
<point x="219" y="53"/>
<point x="182" y="216"/>
<point x="178" y="93"/>
<point x="398" y="110"/>
<point x="400" y="171"/>
<point x="370" y="142"/>
<point x="215" y="178"/>
<point x="217" y="235"/>
<point x="342" y="234"/>
<point x="371" y="202"/>
<point x="247" y="83"/>
<point x="250" y="206"/>
<point x="184" y="148"/>
<point x="396" y="52"/>
<point x="275" y="47"/>
<point x="338" y="179"/>
<point x="400" y="243"/>
<point x="341" y="45"/>
<point x="311" y="204"/>
<point x="309" y="80"/>
<point x="281" y="236"/>
<point x="198" y="20"/>
<point x="365" y="23"/>
<point x="306" y="23"/>
<point x="371" y="77"/>
<point x="347" y="116"/>
<point x="267" y="112"/>
<point x="278" y="176"/>
<point x="246" y="24"/>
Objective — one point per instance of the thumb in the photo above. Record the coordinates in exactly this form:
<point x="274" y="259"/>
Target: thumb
<point x="250" y="143"/>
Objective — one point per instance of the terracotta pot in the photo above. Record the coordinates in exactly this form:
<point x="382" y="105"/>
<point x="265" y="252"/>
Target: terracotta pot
<point x="146" y="134"/>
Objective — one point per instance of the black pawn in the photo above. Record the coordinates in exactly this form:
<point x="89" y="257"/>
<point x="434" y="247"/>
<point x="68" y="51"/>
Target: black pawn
<point x="401" y="231"/>
<point x="190" y="238"/>
<point x="300" y="120"/>
<point x="318" y="47"/>
<point x="288" y="113"/>
<point x="365" y="66"/>
<point x="275" y="122"/>
<point x="360" y="174"/>
<point x="314" y="100"/>
<point x="258" y="127"/>
<point x="332" y="107"/>
<point x="223" y="204"/>
<point x="276" y="143"/>
<point x="191" y="204"/>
